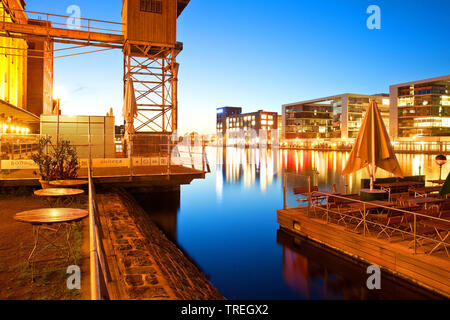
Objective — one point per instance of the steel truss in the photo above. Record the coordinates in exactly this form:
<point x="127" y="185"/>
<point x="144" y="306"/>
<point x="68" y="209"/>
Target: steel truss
<point x="154" y="72"/>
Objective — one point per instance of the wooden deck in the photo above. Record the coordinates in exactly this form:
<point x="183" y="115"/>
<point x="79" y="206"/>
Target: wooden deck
<point x="429" y="271"/>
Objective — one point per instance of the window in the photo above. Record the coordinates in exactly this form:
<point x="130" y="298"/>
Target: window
<point x="154" y="6"/>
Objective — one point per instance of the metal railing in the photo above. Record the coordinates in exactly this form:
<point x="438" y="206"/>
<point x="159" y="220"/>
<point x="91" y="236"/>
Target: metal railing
<point x="136" y="158"/>
<point x="100" y="276"/>
<point x="407" y="227"/>
<point x="84" y="24"/>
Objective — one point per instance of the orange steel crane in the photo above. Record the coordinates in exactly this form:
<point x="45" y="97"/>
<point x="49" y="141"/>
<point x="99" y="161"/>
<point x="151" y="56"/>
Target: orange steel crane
<point x="147" y="37"/>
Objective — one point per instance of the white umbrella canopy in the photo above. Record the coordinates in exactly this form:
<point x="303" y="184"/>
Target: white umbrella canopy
<point x="129" y="110"/>
<point x="373" y="147"/>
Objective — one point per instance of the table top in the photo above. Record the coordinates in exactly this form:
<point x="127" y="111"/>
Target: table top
<point x="324" y="193"/>
<point x="374" y="191"/>
<point x="399" y="184"/>
<point x="437" y="181"/>
<point x="68" y="183"/>
<point x="425" y="200"/>
<point x="426" y="189"/>
<point x="371" y="204"/>
<point x="58" y="192"/>
<point x="440" y="225"/>
<point x="51" y="215"/>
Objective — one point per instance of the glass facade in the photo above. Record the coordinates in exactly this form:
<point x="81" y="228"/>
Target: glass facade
<point x="357" y="107"/>
<point x="424" y="110"/>
<point x="309" y="121"/>
<point x="331" y="118"/>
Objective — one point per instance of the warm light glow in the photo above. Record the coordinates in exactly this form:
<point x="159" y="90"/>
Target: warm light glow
<point x="59" y="93"/>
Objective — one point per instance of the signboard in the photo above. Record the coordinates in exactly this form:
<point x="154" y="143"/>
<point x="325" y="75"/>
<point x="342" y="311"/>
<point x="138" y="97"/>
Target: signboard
<point x="150" y="162"/>
<point x="96" y="163"/>
<point x="18" y="165"/>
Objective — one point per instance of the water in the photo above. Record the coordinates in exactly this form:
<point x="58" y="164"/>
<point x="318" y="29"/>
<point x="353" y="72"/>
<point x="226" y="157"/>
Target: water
<point x="227" y="225"/>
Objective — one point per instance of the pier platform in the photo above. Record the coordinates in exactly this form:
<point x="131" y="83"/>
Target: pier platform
<point x="429" y="271"/>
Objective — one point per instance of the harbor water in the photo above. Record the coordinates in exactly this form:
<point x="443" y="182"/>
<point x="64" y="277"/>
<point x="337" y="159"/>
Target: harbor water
<point x="227" y="225"/>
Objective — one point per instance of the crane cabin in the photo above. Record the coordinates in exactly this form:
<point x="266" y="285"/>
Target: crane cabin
<point x="152" y="21"/>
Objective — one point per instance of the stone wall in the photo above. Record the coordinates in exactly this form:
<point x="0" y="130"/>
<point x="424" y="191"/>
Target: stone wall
<point x="147" y="265"/>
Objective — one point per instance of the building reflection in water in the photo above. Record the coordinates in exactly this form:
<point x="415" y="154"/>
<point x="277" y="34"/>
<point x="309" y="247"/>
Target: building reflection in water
<point x="247" y="167"/>
<point x="315" y="273"/>
<point x="325" y="169"/>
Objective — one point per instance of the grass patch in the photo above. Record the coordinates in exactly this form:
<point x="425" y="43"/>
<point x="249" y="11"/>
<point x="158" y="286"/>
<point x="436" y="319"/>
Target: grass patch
<point x="50" y="277"/>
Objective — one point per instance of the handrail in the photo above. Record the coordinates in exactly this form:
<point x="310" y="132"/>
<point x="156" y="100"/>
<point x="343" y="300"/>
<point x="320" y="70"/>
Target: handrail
<point x="88" y="21"/>
<point x="365" y="222"/>
<point x="99" y="290"/>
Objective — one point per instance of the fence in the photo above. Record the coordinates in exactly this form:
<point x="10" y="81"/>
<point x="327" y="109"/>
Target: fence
<point x="67" y="22"/>
<point x="100" y="276"/>
<point x="112" y="156"/>
<point x="418" y="228"/>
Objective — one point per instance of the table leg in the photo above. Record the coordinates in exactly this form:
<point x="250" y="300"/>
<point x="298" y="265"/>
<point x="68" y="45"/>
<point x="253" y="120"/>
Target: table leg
<point x="36" y="240"/>
<point x="68" y="234"/>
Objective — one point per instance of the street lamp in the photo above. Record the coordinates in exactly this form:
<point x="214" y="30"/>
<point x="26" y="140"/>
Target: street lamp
<point x="440" y="161"/>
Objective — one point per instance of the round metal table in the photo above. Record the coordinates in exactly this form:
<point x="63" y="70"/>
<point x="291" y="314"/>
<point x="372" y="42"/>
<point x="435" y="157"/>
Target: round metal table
<point x="58" y="193"/>
<point x="68" y="183"/>
<point x="46" y="219"/>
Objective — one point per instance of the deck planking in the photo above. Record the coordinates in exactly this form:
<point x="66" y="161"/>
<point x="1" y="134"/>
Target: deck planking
<point x="429" y="271"/>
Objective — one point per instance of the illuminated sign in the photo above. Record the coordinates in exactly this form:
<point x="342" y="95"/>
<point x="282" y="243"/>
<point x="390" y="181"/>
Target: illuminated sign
<point x="219" y="111"/>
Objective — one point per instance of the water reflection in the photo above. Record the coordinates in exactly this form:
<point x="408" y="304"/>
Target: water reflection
<point x="315" y="273"/>
<point x="246" y="166"/>
<point x="227" y="225"/>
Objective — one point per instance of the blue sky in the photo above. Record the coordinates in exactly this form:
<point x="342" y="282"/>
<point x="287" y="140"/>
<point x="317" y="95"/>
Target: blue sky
<point x="262" y="54"/>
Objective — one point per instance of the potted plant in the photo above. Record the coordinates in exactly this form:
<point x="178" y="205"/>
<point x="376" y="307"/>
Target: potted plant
<point x="44" y="161"/>
<point x="58" y="162"/>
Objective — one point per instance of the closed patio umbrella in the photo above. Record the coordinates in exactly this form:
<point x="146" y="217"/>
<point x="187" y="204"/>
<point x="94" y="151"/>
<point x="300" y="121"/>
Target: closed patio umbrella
<point x="373" y="149"/>
<point x="129" y="110"/>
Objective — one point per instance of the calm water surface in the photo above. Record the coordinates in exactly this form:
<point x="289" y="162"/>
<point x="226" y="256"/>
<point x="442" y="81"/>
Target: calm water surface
<point x="227" y="225"/>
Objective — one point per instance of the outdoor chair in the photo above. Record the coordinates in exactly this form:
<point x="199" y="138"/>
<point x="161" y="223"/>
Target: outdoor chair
<point x="392" y="223"/>
<point x="444" y="210"/>
<point x="343" y="211"/>
<point x="398" y="198"/>
<point x="304" y="191"/>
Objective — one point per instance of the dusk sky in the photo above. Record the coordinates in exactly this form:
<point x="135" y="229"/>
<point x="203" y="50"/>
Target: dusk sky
<point x="263" y="54"/>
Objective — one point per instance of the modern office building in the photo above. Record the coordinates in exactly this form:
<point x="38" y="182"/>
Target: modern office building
<point x="231" y="120"/>
<point x="335" y="117"/>
<point x="222" y="115"/>
<point x="420" y="109"/>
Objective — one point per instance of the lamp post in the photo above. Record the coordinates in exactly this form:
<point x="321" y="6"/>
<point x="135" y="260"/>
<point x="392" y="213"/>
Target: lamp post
<point x="440" y="161"/>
